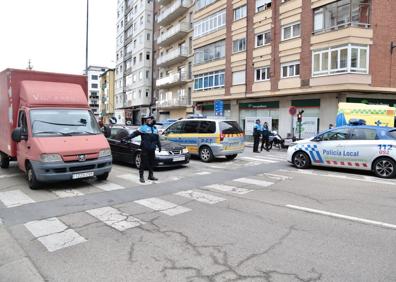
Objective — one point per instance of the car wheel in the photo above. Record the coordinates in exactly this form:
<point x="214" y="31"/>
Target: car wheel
<point x="103" y="176"/>
<point x="205" y="154"/>
<point x="138" y="160"/>
<point x="301" y="160"/>
<point x="231" y="157"/>
<point x="4" y="160"/>
<point x="34" y="184"/>
<point x="384" y="167"/>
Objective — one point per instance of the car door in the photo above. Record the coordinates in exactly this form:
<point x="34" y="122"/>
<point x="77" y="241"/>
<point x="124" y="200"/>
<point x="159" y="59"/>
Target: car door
<point x="124" y="146"/>
<point x="174" y="131"/>
<point x="330" y="146"/>
<point x="364" y="147"/>
<point x="23" y="147"/>
<point x="191" y="137"/>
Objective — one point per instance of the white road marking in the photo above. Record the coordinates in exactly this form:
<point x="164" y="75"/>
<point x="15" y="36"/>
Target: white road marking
<point x="228" y="188"/>
<point x="134" y="178"/>
<point x="259" y="160"/>
<point x="277" y="176"/>
<point x="163" y="206"/>
<point x="45" y="227"/>
<point x="346" y="217"/>
<point x="15" y="198"/>
<point x="200" y="197"/>
<point x="67" y="193"/>
<point x="256" y="182"/>
<point x="203" y="173"/>
<point x="216" y="166"/>
<point x="115" y="218"/>
<point x="54" y="234"/>
<point x="9" y="175"/>
<point x="108" y="186"/>
<point x="61" y="240"/>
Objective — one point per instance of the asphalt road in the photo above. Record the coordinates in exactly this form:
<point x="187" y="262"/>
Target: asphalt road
<point x="255" y="218"/>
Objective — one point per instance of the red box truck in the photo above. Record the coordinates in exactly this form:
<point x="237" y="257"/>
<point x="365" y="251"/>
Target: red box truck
<point x="48" y="128"/>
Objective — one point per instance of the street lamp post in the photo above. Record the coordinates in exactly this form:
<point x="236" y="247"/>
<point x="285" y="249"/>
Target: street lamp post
<point x="86" y="41"/>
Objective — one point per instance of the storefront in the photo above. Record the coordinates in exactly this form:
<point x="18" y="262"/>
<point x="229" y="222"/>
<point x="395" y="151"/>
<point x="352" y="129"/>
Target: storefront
<point x="209" y="110"/>
<point x="310" y="117"/>
<point x="259" y="110"/>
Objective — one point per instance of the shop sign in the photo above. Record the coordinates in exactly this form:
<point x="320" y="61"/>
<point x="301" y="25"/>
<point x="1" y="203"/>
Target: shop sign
<point x="260" y="105"/>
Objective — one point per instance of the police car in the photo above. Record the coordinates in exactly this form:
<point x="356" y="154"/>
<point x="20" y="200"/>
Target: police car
<point x="370" y="148"/>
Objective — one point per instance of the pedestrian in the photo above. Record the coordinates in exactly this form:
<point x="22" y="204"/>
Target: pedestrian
<point x="256" y="136"/>
<point x="150" y="141"/>
<point x="264" y="137"/>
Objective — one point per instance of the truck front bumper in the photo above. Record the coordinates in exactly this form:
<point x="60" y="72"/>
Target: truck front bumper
<point x="61" y="171"/>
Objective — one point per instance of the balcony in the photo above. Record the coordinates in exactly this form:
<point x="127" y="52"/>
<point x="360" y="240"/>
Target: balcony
<point x="174" y="103"/>
<point x="172" y="12"/>
<point x="175" y="33"/>
<point x="173" y="57"/>
<point x="174" y="79"/>
<point x="164" y="2"/>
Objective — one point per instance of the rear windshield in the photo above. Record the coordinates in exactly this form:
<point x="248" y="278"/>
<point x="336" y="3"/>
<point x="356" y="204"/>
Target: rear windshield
<point x="392" y="134"/>
<point x="230" y="127"/>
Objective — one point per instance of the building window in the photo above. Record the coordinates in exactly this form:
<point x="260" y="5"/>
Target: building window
<point x="239" y="45"/>
<point x="210" y="24"/>
<point x="342" y="59"/>
<point x="291" y="31"/>
<point x="341" y="14"/>
<point x="263" y="38"/>
<point x="238" y="77"/>
<point x="209" y="52"/>
<point x="240" y="13"/>
<point x="148" y="36"/>
<point x="94" y="85"/>
<point x="290" y="69"/>
<point x="140" y="57"/>
<point x="147" y="74"/>
<point x="148" y="56"/>
<point x="200" y="4"/>
<point x="262" y="5"/>
<point x="94" y="77"/>
<point x="262" y="74"/>
<point x="209" y="80"/>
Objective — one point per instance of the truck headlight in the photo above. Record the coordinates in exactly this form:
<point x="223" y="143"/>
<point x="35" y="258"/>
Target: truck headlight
<point x="185" y="151"/>
<point x="50" y="158"/>
<point x="104" y="153"/>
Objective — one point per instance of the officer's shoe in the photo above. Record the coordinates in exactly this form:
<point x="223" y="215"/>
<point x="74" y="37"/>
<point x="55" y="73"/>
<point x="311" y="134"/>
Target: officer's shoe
<point x="151" y="177"/>
<point x="142" y="180"/>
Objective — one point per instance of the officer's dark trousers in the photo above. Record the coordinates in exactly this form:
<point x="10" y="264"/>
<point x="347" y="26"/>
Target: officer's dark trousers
<point x="256" y="142"/>
<point x="148" y="160"/>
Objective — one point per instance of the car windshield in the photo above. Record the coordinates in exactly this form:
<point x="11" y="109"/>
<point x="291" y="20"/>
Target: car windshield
<point x="63" y="122"/>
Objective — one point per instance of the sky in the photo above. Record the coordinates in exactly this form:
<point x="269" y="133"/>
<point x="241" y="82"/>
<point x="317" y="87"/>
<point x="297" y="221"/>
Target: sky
<point x="52" y="34"/>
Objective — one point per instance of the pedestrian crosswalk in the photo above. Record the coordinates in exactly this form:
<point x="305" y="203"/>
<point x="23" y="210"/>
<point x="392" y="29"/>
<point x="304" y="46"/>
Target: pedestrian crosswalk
<point x="163" y="206"/>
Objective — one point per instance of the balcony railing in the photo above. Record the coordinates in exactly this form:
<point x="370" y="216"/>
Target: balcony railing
<point x="172" y="80"/>
<point x="164" y="2"/>
<point x="173" y="34"/>
<point x="175" y="10"/>
<point x="173" y="57"/>
<point x="173" y="103"/>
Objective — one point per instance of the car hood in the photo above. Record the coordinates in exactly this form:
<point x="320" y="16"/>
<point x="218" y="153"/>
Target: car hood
<point x="169" y="146"/>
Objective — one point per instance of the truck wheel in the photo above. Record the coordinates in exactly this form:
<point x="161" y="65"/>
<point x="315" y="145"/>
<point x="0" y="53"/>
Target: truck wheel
<point x="301" y="160"/>
<point x="205" y="154"/>
<point x="31" y="178"/>
<point x="384" y="167"/>
<point x="138" y="160"/>
<point x="103" y="176"/>
<point x="231" y="157"/>
<point x="4" y="160"/>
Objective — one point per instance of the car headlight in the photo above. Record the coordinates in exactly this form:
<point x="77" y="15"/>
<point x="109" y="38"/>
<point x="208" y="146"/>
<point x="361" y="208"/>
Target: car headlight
<point x="185" y="151"/>
<point x="104" y="153"/>
<point x="50" y="158"/>
<point x="162" y="153"/>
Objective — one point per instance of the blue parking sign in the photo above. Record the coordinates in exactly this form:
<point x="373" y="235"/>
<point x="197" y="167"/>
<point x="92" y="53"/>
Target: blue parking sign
<point x="219" y="107"/>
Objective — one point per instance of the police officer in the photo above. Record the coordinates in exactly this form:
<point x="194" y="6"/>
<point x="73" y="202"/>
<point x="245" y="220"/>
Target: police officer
<point x="256" y="136"/>
<point x="150" y="140"/>
<point x="264" y="136"/>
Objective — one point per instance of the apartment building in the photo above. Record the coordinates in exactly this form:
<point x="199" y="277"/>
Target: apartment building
<point x="134" y="60"/>
<point x="93" y="75"/>
<point x="107" y="95"/>
<point x="174" y="55"/>
<point x="261" y="57"/>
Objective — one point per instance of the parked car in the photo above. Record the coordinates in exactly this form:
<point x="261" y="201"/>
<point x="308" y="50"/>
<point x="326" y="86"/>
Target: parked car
<point x="172" y="154"/>
<point x="208" y="138"/>
<point x="369" y="148"/>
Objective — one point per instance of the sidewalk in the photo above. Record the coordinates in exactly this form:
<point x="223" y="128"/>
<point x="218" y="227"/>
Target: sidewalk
<point x="14" y="263"/>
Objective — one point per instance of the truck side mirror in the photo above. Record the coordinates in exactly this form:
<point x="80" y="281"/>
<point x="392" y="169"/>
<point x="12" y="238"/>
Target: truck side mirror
<point x="106" y="131"/>
<point x="18" y="135"/>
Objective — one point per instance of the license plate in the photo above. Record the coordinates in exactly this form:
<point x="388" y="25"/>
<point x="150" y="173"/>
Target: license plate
<point x="82" y="175"/>
<point x="179" y="159"/>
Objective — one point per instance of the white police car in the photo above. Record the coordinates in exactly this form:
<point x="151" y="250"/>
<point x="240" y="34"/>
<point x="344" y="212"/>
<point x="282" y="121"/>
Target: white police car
<point x="353" y="147"/>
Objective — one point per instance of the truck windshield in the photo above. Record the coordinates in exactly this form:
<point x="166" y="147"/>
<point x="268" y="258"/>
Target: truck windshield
<point x="61" y="122"/>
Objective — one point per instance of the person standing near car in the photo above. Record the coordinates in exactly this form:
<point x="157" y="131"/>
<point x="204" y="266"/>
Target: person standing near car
<point x="150" y="141"/>
<point x="264" y="137"/>
<point x="256" y="136"/>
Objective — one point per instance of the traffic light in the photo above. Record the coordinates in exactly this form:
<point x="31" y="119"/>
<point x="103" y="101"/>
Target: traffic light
<point x="299" y="117"/>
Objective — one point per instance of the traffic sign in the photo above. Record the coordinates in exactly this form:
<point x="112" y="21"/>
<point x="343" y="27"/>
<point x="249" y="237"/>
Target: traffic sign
<point x="219" y="107"/>
<point x="292" y="110"/>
